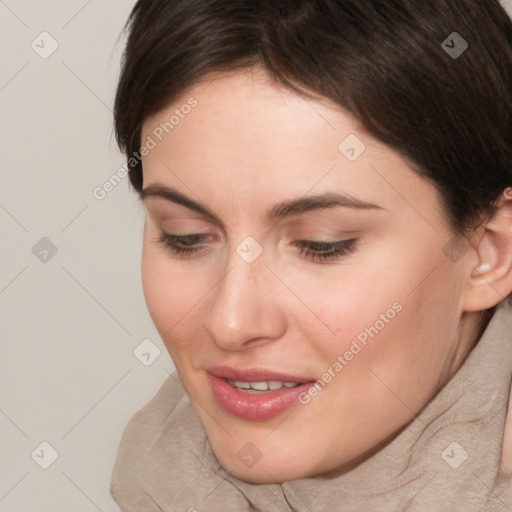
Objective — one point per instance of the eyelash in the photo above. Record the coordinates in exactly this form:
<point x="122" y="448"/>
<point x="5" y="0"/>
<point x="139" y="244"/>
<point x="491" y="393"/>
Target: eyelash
<point x="334" y="250"/>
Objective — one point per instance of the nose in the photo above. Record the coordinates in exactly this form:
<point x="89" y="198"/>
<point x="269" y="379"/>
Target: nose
<point x="243" y="310"/>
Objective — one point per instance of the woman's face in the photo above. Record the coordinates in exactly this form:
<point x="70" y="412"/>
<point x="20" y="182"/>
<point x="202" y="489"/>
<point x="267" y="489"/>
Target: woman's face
<point x="377" y="326"/>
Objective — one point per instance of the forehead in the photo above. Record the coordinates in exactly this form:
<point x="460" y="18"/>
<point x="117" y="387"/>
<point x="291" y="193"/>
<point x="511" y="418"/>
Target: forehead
<point x="240" y="131"/>
<point x="249" y="102"/>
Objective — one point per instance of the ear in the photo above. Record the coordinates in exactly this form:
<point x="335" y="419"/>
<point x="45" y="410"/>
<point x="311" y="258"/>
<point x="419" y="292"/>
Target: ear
<point x="490" y="280"/>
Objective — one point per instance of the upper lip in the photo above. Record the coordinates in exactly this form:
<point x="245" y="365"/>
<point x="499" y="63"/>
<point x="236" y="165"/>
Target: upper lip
<point x="253" y="374"/>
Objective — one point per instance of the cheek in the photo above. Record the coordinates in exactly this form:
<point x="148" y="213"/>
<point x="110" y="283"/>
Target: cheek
<point x="170" y="294"/>
<point x="174" y="298"/>
<point x="390" y="317"/>
<point x="154" y="284"/>
<point x="347" y="305"/>
<point x="407" y="358"/>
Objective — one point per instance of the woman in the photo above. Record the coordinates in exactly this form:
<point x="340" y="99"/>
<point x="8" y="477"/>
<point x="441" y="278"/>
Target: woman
<point x="327" y="254"/>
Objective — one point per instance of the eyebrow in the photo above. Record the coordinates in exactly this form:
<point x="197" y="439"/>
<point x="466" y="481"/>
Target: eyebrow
<point x="289" y="208"/>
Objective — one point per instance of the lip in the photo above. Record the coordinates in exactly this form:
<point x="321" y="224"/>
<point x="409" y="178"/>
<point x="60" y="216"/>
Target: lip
<point x="254" y="407"/>
<point x="254" y="374"/>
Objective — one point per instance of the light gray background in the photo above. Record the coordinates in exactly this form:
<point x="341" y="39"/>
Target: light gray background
<point x="71" y="321"/>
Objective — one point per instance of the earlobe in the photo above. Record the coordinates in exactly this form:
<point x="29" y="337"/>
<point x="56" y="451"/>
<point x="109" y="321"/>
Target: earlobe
<point x="482" y="269"/>
<point x="490" y="281"/>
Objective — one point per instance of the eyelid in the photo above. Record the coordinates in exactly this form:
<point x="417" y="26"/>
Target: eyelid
<point x="339" y="249"/>
<point x="330" y="218"/>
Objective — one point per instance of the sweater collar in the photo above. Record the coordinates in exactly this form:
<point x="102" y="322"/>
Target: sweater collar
<point x="451" y="449"/>
<point x="446" y="458"/>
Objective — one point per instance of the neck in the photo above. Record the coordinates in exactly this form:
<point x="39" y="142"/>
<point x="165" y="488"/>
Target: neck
<point x="471" y="327"/>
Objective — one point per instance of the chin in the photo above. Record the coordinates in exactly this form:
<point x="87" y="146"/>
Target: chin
<point x="245" y="465"/>
<point x="267" y="473"/>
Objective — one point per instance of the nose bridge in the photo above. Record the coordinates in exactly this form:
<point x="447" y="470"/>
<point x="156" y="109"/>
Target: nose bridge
<point x="238" y="302"/>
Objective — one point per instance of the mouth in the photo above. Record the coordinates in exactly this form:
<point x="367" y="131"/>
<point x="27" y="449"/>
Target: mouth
<point x="261" y="386"/>
<point x="255" y="394"/>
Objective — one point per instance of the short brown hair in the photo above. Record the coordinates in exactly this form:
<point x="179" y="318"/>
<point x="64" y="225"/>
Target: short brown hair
<point x="387" y="62"/>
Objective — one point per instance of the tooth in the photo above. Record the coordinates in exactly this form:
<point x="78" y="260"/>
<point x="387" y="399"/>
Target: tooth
<point x="260" y="386"/>
<point x="272" y="385"/>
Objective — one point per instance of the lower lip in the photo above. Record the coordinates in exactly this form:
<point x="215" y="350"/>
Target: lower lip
<point x="255" y="407"/>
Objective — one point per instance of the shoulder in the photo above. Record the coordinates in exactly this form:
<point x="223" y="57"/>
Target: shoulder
<point x="166" y="402"/>
<point x="143" y="429"/>
<point x="506" y="459"/>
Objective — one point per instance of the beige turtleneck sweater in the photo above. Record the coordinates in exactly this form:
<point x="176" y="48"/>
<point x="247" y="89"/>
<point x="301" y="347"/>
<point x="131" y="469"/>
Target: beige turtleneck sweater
<point x="456" y="455"/>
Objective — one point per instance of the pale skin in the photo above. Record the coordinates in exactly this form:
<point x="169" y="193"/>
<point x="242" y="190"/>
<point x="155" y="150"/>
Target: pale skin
<point x="247" y="145"/>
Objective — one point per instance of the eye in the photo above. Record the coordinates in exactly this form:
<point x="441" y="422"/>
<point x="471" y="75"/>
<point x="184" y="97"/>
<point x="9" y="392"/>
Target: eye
<point x="324" y="251"/>
<point x="172" y="242"/>
<point x="312" y="250"/>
